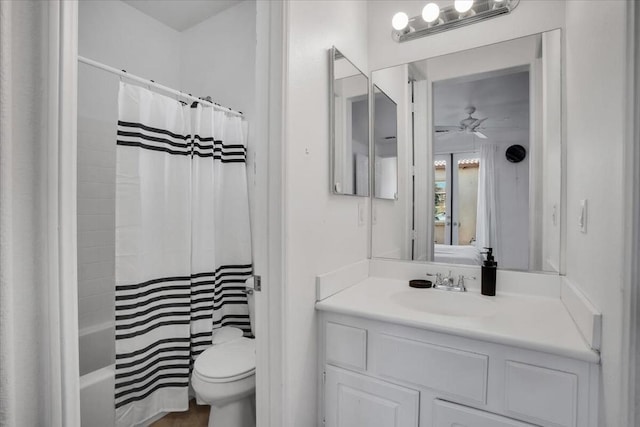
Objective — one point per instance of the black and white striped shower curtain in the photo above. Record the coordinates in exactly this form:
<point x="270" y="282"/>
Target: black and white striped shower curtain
<point x="183" y="245"/>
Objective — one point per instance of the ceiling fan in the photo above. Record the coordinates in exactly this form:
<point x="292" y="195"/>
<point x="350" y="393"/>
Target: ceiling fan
<point x="467" y="125"/>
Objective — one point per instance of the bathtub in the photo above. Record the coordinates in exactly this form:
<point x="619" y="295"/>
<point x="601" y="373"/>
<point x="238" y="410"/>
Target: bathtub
<point x="97" y="375"/>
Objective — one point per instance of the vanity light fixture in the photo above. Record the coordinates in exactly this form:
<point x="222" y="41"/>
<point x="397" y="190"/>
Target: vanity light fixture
<point x="435" y="20"/>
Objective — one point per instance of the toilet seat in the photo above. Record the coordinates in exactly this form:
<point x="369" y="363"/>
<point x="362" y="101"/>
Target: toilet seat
<point x="228" y="362"/>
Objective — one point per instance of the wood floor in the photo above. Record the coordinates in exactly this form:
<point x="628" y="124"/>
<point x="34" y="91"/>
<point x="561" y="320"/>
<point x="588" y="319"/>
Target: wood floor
<point x="196" y="416"/>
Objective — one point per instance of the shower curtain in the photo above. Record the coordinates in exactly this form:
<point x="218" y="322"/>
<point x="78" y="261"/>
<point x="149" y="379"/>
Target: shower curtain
<point x="182" y="245"/>
<point x="487" y="214"/>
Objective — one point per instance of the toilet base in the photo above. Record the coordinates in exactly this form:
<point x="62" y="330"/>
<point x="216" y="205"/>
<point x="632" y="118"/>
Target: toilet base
<point x="237" y="413"/>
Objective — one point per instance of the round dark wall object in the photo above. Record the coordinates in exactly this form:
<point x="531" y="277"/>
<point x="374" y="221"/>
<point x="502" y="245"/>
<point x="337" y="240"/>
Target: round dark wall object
<point x="516" y="153"/>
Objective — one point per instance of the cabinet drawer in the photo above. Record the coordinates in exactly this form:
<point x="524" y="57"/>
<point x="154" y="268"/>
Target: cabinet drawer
<point x="459" y="373"/>
<point x="540" y="395"/>
<point x="346" y="346"/>
<point x="447" y="414"/>
<point x="355" y="400"/>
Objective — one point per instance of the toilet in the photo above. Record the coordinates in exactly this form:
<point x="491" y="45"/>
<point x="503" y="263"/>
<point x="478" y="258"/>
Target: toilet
<point x="224" y="377"/>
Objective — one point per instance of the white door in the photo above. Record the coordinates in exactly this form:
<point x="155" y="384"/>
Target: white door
<point x="447" y="414"/>
<point x="353" y="400"/>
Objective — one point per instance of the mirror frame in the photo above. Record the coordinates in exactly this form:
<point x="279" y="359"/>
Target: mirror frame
<point x="333" y="52"/>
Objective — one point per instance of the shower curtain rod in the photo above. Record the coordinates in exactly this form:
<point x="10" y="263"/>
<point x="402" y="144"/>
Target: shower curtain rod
<point x="151" y="83"/>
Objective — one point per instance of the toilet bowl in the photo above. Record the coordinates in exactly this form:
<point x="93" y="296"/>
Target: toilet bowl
<point x="224" y="377"/>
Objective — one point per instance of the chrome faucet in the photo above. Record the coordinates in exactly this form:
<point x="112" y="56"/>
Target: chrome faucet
<point x="446" y="283"/>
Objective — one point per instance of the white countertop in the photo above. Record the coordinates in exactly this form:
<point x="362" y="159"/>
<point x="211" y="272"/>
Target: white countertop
<point x="531" y="322"/>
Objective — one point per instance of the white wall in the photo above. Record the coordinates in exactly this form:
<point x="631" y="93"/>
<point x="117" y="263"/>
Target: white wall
<point x="513" y="209"/>
<point x="595" y="112"/>
<point x="322" y="231"/>
<point x="218" y="58"/>
<point x="116" y="34"/>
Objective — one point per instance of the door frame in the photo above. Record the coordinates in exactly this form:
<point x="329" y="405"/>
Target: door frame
<point x="630" y="387"/>
<point x="61" y="164"/>
<point x="271" y="22"/>
<point x="268" y="215"/>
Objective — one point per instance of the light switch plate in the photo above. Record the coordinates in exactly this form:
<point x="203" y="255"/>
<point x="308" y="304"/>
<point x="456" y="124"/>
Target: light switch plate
<point x="361" y="214"/>
<point x="582" y="217"/>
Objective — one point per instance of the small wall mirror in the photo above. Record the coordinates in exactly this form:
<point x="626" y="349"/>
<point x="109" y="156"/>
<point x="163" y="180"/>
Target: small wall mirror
<point x="385" y="147"/>
<point x="349" y="126"/>
<point x="479" y="164"/>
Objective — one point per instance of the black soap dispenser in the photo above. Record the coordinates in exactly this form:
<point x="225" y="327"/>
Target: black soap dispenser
<point x="489" y="268"/>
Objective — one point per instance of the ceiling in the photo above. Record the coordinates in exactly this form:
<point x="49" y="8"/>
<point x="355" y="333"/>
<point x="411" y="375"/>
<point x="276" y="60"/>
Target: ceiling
<point x="181" y="14"/>
<point x="503" y="98"/>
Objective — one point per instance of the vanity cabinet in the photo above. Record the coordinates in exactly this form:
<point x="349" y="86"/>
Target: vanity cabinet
<point x="449" y="414"/>
<point x="359" y="400"/>
<point x="379" y="374"/>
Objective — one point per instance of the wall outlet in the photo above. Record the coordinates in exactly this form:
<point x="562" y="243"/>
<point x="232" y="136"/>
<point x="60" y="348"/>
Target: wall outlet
<point x="582" y="217"/>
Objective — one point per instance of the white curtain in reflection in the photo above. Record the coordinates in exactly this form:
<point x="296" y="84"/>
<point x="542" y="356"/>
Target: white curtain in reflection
<point x="487" y="218"/>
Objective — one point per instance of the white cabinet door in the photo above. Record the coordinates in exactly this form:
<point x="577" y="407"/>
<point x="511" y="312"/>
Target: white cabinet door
<point x="354" y="400"/>
<point x="448" y="414"/>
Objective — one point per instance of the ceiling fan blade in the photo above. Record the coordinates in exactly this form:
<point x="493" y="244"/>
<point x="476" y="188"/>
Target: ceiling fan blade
<point x="480" y="135"/>
<point x="477" y="123"/>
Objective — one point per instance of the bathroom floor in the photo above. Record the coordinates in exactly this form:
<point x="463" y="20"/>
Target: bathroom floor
<point x="196" y="416"/>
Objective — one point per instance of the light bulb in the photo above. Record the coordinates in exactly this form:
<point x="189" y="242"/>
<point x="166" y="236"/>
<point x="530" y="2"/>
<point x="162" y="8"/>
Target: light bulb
<point x="400" y="21"/>
<point x="431" y="12"/>
<point x="463" y="6"/>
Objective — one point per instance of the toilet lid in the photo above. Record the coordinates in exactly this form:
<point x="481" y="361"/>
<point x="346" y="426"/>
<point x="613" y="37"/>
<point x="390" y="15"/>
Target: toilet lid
<point x="229" y="360"/>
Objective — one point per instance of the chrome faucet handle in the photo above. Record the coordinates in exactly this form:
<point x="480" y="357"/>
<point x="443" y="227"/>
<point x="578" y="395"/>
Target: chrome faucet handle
<point x="438" y="277"/>
<point x="449" y="279"/>
<point x="461" y="278"/>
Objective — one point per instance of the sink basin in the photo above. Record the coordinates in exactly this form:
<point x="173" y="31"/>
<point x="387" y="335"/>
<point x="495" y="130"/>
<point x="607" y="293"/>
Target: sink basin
<point x="444" y="303"/>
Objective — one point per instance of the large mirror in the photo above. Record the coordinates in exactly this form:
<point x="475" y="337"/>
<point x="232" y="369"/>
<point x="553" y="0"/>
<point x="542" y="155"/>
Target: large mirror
<point x="478" y="155"/>
<point x="349" y="122"/>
